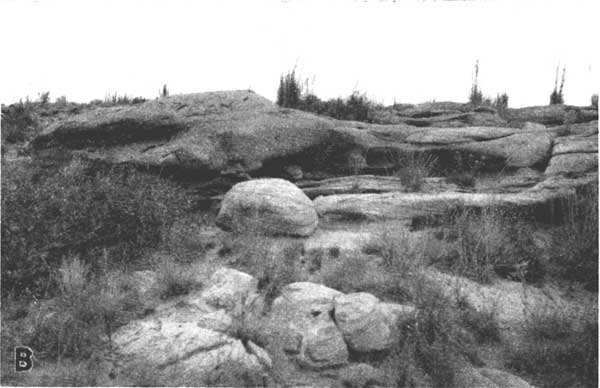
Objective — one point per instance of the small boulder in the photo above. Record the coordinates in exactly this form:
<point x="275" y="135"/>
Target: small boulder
<point x="293" y="172"/>
<point x="367" y="324"/>
<point x="269" y="206"/>
<point x="305" y="311"/>
<point x="360" y="375"/>
<point x="229" y="289"/>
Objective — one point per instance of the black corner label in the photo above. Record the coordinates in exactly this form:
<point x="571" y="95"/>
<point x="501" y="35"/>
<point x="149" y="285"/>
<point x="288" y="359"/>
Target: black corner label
<point x="23" y="359"/>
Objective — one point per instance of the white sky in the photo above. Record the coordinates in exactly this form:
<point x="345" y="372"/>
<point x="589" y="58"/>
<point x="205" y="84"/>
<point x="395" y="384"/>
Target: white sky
<point x="411" y="51"/>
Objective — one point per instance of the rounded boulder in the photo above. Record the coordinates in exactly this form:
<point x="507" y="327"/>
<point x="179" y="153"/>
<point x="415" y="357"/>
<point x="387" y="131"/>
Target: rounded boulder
<point x="268" y="206"/>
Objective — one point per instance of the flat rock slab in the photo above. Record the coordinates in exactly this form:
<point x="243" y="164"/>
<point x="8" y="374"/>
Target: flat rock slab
<point x="359" y="184"/>
<point x="518" y="150"/>
<point x="408" y="206"/>
<point x="572" y="163"/>
<point x="575" y="144"/>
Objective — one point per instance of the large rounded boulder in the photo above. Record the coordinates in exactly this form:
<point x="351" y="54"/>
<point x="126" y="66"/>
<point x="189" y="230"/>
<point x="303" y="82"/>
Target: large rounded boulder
<point x="268" y="206"/>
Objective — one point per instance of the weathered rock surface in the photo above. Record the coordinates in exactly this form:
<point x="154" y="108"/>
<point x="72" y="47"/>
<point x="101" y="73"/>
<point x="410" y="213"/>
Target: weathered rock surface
<point x="488" y="378"/>
<point x="270" y="206"/>
<point x="359" y="184"/>
<point x="360" y="375"/>
<point x="552" y="114"/>
<point x="226" y="136"/>
<point x="186" y="339"/>
<point x="407" y="207"/>
<point x="230" y="288"/>
<point x="218" y="132"/>
<point x="574" y="155"/>
<point x="367" y="324"/>
<point x="305" y="309"/>
<point x="519" y="150"/>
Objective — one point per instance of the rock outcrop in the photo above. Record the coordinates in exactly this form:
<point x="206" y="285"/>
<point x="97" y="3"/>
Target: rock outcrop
<point x="268" y="206"/>
<point x="305" y="310"/>
<point x="367" y="324"/>
<point x="324" y="324"/>
<point x="188" y="339"/>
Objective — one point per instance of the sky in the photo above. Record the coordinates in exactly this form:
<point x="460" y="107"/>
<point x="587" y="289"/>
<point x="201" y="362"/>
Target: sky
<point x="405" y="51"/>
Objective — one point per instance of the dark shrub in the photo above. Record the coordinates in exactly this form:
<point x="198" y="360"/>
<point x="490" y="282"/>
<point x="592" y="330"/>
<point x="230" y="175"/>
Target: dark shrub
<point x="19" y="122"/>
<point x="48" y="217"/>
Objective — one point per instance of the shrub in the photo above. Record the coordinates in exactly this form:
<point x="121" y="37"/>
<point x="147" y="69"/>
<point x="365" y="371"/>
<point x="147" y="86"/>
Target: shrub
<point x="594" y="101"/>
<point x="44" y="98"/>
<point x="173" y="279"/>
<point x="86" y="308"/>
<point x="76" y="212"/>
<point x="483" y="324"/>
<point x="462" y="179"/>
<point x="432" y="343"/>
<point x="273" y="263"/>
<point x="61" y="101"/>
<point x="501" y="102"/>
<point x="490" y="242"/>
<point x="413" y="168"/>
<point x="19" y="122"/>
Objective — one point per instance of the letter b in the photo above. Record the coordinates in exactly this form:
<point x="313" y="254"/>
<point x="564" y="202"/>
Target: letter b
<point x="23" y="361"/>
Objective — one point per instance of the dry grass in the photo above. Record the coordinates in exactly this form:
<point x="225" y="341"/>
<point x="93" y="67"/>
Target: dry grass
<point x="559" y="349"/>
<point x="413" y="168"/>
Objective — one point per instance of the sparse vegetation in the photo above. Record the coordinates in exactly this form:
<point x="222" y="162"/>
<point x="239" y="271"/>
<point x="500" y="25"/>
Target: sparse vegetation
<point x="86" y="311"/>
<point x="575" y="243"/>
<point x="173" y="278"/>
<point x="356" y="107"/>
<point x="556" y="97"/>
<point x="476" y="96"/>
<point x="164" y="92"/>
<point x="559" y="350"/>
<point x="19" y="122"/>
<point x="413" y="168"/>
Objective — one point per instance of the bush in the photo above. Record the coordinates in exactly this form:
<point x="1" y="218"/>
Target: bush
<point x="173" y="279"/>
<point x="273" y="263"/>
<point x="19" y="122"/>
<point x="432" y="345"/>
<point x="501" y="102"/>
<point x="44" y="98"/>
<point x="462" y="179"/>
<point x="61" y="101"/>
<point x="490" y="242"/>
<point x="76" y="212"/>
<point x="594" y="101"/>
<point x="86" y="309"/>
<point x="413" y="168"/>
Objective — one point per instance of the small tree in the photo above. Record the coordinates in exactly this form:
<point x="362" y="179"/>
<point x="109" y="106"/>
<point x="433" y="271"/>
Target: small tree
<point x="164" y="92"/>
<point x="476" y="97"/>
<point x="594" y="101"/>
<point x="288" y="94"/>
<point x="44" y="98"/>
<point x="556" y="97"/>
<point x="501" y="101"/>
